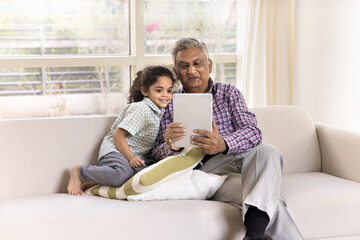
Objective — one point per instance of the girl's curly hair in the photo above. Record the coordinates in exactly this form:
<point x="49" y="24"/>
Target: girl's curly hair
<point x="145" y="78"/>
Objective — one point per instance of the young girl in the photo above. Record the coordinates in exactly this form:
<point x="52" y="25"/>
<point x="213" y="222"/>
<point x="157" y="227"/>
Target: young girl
<point x="125" y="148"/>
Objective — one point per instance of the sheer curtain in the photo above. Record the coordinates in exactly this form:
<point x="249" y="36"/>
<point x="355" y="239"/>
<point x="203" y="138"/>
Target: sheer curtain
<point x="265" y="51"/>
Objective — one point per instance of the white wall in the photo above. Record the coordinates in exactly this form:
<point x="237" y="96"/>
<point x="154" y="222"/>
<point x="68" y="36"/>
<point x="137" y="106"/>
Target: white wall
<point x="327" y="61"/>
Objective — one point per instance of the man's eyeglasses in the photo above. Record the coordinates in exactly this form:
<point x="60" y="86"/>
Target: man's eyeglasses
<point x="198" y="64"/>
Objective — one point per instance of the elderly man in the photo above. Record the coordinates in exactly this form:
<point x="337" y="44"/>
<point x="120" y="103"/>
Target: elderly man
<point x="233" y="147"/>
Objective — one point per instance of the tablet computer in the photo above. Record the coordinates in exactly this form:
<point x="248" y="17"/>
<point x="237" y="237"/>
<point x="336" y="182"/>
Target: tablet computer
<point x="194" y="111"/>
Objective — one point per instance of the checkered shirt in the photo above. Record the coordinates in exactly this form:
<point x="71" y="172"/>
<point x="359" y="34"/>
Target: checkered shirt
<point x="235" y="123"/>
<point x="141" y="120"/>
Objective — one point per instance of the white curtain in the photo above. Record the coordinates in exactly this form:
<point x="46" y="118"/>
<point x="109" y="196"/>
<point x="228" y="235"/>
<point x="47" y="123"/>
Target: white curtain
<point x="265" y="51"/>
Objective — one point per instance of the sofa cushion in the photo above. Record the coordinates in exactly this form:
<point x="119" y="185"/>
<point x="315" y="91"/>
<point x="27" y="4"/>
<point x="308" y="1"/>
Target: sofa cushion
<point x="159" y="173"/>
<point x="291" y="130"/>
<point x="163" y="170"/>
<point x="49" y="147"/>
<point x="194" y="184"/>
<point x="62" y="216"/>
<point x="323" y="206"/>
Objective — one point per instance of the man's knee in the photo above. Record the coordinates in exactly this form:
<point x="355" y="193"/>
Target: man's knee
<point x="270" y="155"/>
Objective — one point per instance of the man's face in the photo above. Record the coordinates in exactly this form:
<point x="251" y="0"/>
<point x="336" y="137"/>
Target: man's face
<point x="193" y="69"/>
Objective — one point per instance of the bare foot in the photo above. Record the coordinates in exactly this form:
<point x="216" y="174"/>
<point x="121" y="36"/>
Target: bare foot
<point x="74" y="185"/>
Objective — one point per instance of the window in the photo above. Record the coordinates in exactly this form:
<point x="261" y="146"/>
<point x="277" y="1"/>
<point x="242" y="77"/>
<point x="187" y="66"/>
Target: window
<point x="75" y="57"/>
<point x="75" y="27"/>
<point x="212" y="21"/>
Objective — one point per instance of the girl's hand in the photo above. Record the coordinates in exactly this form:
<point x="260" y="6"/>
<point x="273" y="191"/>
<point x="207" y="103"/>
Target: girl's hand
<point x="136" y="162"/>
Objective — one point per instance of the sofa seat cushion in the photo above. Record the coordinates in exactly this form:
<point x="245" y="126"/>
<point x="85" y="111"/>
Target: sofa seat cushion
<point x="61" y="216"/>
<point x="310" y="197"/>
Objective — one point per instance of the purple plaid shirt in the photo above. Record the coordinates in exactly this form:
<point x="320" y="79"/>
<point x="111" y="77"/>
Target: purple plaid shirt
<point x="235" y="123"/>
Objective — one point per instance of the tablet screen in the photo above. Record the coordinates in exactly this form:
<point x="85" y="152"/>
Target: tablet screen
<point x="194" y="111"/>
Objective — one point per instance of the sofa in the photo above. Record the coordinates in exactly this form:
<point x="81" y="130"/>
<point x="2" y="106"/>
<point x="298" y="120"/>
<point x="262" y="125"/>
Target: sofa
<point x="321" y="184"/>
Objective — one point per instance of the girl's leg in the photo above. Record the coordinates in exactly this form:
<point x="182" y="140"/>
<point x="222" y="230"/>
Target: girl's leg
<point x="113" y="170"/>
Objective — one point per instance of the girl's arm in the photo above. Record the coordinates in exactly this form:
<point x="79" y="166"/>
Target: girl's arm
<point x="123" y="147"/>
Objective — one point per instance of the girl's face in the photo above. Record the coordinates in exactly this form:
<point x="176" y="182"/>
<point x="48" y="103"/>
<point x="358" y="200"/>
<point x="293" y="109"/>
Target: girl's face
<point x="160" y="92"/>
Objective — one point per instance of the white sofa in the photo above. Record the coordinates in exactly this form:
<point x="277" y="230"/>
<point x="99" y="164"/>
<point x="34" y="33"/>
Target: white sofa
<point x="321" y="184"/>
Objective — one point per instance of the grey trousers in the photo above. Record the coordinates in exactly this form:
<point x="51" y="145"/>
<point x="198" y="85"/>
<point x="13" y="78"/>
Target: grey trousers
<point x="254" y="179"/>
<point x="113" y="169"/>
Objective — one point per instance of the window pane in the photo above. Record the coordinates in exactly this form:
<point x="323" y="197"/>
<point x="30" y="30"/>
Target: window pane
<point x="212" y="21"/>
<point x="47" y="27"/>
<point x="41" y="92"/>
<point x="67" y="80"/>
<point x="224" y="72"/>
<point x="63" y="80"/>
<point x="20" y="81"/>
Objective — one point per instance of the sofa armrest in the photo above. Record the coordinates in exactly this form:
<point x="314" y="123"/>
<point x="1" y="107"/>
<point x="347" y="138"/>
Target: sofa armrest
<point x="340" y="152"/>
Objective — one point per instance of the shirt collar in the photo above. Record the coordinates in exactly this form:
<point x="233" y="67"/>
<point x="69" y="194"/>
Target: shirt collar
<point x="158" y="111"/>
<point x="211" y="85"/>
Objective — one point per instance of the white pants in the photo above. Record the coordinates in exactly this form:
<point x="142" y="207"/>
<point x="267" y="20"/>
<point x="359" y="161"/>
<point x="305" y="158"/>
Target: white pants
<point x="254" y="179"/>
